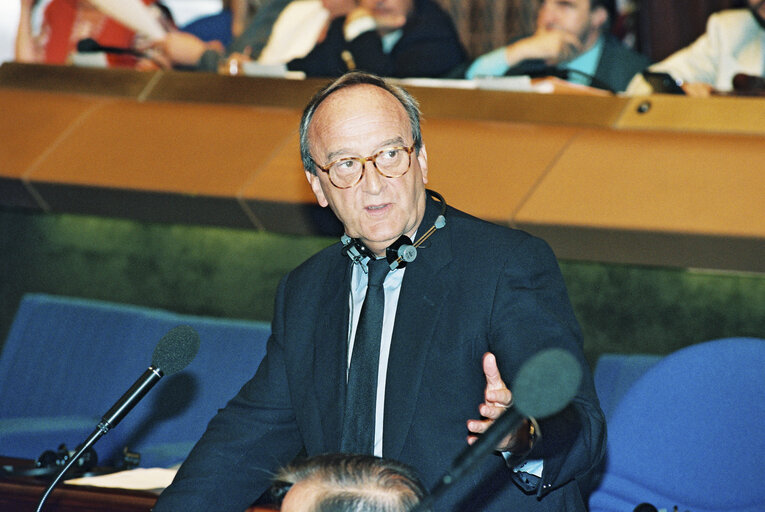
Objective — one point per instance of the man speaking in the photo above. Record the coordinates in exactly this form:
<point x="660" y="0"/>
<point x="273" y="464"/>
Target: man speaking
<point x="401" y="357"/>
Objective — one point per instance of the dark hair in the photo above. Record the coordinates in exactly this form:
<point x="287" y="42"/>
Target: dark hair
<point x="354" y="483"/>
<point x="348" y="80"/>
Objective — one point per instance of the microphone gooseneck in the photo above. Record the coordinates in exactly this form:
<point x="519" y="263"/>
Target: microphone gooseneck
<point x="173" y="353"/>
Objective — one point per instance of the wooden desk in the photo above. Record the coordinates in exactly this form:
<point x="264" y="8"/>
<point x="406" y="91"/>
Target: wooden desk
<point x="657" y="180"/>
<point x="23" y="493"/>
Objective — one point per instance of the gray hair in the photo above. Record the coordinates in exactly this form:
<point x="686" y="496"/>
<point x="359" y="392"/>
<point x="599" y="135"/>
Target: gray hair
<point x="410" y="105"/>
<point x="354" y="483"/>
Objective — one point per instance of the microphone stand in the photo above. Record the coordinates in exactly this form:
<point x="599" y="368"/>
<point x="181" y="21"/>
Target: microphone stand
<point x="118" y="411"/>
<point x="90" y="441"/>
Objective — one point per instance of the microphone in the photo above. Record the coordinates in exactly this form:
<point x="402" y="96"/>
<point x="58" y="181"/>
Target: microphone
<point x="543" y="386"/>
<point x="565" y="74"/>
<point x="90" y="45"/>
<point x="172" y="354"/>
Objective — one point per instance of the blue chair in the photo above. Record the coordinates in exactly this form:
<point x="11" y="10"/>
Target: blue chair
<point x="67" y="361"/>
<point x="689" y="433"/>
<point x="614" y="375"/>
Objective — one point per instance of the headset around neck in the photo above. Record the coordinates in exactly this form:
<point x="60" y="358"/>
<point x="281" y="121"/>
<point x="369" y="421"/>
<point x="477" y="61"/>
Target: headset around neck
<point x="400" y="252"/>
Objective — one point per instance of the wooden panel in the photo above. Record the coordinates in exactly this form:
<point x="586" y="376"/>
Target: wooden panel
<point x="107" y="82"/>
<point x="568" y="109"/>
<point x="33" y="122"/>
<point x="698" y="187"/>
<point x="279" y="198"/>
<point x="721" y="114"/>
<point x="182" y="148"/>
<point x="489" y="168"/>
<point x="208" y="87"/>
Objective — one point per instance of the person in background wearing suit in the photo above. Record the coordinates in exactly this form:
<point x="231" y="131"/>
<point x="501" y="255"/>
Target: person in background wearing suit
<point x="395" y="38"/>
<point x="571" y="39"/>
<point x="352" y="483"/>
<point x="369" y="356"/>
<point x="733" y="43"/>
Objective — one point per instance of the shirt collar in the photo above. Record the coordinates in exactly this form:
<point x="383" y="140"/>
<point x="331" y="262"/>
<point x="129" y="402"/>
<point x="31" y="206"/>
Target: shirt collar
<point x="586" y="63"/>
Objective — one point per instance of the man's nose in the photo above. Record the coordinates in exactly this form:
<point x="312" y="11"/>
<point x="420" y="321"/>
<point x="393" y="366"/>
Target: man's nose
<point x="372" y="180"/>
<point x="547" y="18"/>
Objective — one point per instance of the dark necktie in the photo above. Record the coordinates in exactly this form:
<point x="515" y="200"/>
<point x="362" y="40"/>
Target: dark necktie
<point x="361" y="395"/>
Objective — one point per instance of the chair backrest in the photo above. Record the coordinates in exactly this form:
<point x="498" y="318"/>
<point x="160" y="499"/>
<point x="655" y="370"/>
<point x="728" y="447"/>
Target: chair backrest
<point x="616" y="373"/>
<point x="689" y="433"/>
<point x="67" y="361"/>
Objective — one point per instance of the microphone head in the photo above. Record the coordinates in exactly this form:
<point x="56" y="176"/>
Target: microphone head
<point x="176" y="350"/>
<point x="88" y="45"/>
<point x="546" y="383"/>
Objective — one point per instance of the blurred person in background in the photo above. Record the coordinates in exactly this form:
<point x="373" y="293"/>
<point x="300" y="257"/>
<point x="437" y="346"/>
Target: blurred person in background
<point x="280" y="31"/>
<point x="65" y="23"/>
<point x="734" y="43"/>
<point x="395" y="38"/>
<point x="572" y="38"/>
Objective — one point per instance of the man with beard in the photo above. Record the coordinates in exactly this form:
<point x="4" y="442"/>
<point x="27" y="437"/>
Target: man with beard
<point x="571" y="40"/>
<point x="733" y="43"/>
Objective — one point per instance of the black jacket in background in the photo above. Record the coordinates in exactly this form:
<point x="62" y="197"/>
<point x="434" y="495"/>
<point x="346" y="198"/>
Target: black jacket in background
<point x="429" y="47"/>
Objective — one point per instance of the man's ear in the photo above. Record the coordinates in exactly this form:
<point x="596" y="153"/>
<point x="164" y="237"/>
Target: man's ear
<point x="315" y="183"/>
<point x="599" y="17"/>
<point x="422" y="159"/>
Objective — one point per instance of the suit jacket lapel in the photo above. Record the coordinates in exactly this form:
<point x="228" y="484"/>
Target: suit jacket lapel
<point x="330" y="337"/>
<point x="419" y="306"/>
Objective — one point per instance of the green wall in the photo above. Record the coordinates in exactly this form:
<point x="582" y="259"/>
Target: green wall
<point x="234" y="273"/>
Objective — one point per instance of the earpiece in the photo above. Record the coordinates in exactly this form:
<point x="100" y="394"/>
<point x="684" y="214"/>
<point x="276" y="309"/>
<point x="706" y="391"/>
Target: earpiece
<point x="402" y="251"/>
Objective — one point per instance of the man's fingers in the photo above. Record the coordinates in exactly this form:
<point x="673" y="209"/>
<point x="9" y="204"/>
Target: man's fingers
<point x="490" y="369"/>
<point x="491" y="411"/>
<point x="478" y="426"/>
<point x="496" y="390"/>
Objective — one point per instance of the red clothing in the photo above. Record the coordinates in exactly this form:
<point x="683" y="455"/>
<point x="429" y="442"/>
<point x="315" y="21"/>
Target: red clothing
<point x="65" y="22"/>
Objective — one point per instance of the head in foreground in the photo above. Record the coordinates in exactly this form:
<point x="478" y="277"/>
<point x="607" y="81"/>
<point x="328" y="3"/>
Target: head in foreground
<point x="347" y="483"/>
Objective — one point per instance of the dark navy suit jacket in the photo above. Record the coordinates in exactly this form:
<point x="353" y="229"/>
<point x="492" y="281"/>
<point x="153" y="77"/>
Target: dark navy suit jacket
<point x="429" y="47"/>
<point x="474" y="287"/>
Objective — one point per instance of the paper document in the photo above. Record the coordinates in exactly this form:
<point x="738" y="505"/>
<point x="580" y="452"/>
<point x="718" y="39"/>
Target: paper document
<point x="145" y="479"/>
<point x="450" y="83"/>
<point x="253" y="68"/>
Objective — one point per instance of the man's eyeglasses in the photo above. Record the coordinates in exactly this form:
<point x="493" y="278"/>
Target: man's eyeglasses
<point x="391" y="162"/>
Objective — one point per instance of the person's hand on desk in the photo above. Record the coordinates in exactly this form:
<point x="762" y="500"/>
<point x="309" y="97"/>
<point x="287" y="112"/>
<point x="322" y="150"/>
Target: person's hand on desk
<point x="698" y="89"/>
<point x="497" y="398"/>
<point x="182" y="48"/>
